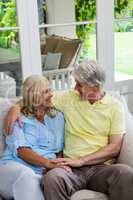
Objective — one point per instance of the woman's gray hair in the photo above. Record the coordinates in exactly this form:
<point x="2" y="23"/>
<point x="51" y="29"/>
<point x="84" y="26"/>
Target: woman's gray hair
<point x="89" y="72"/>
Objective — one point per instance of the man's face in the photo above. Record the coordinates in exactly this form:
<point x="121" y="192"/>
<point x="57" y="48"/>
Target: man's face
<point x="87" y="91"/>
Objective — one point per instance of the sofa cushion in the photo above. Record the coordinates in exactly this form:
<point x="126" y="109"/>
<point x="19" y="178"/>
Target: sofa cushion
<point x="88" y="195"/>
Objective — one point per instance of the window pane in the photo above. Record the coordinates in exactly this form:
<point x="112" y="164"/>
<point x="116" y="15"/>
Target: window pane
<point x="88" y="34"/>
<point x="123" y="8"/>
<point x="123" y="50"/>
<point x="10" y="64"/>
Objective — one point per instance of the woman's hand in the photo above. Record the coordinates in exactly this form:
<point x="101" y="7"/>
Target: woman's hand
<point x="12" y="116"/>
<point x="51" y="164"/>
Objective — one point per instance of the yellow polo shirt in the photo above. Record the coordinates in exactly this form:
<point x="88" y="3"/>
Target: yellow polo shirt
<point x="88" y="126"/>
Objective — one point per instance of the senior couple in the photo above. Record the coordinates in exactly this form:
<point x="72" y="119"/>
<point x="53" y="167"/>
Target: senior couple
<point x="40" y="162"/>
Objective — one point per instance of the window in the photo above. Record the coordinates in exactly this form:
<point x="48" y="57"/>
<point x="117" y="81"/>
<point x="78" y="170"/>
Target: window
<point x="123" y="40"/>
<point x="9" y="42"/>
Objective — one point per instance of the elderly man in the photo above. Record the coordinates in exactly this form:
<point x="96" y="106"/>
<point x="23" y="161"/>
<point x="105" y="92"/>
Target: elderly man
<point x="93" y="136"/>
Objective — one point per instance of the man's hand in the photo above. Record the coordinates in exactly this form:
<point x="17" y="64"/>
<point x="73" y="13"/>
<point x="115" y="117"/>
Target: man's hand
<point x="75" y="163"/>
<point x="12" y="116"/>
<point x="69" y="162"/>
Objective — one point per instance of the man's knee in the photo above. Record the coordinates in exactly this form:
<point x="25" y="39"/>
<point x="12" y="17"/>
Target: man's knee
<point x="123" y="169"/>
<point x="121" y="174"/>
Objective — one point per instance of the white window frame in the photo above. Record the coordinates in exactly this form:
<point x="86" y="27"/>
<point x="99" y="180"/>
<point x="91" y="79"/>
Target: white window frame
<point x="29" y="37"/>
<point x="105" y="38"/>
<point x="30" y="41"/>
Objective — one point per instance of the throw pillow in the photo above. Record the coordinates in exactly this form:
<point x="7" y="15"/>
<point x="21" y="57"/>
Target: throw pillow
<point x="52" y="61"/>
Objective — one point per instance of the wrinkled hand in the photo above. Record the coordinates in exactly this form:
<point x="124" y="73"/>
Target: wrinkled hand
<point x="69" y="162"/>
<point x="12" y="116"/>
<point x="75" y="163"/>
<point x="53" y="164"/>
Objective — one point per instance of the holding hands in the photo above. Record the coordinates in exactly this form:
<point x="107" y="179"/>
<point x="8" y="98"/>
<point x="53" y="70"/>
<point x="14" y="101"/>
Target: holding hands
<point x="58" y="164"/>
<point x="69" y="162"/>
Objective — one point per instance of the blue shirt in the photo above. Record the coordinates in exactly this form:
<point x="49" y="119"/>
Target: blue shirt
<point x="45" y="139"/>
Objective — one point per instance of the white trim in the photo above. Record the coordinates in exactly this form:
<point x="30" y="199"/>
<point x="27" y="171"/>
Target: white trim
<point x="105" y="38"/>
<point x="29" y="37"/>
<point x="67" y="24"/>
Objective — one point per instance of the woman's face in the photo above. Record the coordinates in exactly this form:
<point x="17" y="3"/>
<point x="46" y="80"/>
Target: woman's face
<point x="46" y="95"/>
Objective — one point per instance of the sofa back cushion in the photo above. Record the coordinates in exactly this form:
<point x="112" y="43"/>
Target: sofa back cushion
<point x="126" y="154"/>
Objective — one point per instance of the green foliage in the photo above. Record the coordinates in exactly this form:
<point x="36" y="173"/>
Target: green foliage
<point x="120" y="5"/>
<point x="86" y="10"/>
<point x="7" y="19"/>
<point x="124" y="9"/>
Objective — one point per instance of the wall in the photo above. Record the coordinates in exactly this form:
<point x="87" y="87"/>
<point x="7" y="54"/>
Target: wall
<point x="57" y="13"/>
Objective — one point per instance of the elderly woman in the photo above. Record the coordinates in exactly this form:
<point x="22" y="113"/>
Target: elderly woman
<point x="31" y="148"/>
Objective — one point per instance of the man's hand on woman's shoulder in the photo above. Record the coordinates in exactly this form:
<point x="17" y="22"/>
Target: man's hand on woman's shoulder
<point x="12" y="115"/>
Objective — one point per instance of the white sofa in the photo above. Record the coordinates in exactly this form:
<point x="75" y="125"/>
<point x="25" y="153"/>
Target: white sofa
<point x="126" y="154"/>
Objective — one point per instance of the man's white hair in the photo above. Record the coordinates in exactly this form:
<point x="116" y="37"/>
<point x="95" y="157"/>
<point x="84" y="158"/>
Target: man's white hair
<point x="89" y="72"/>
